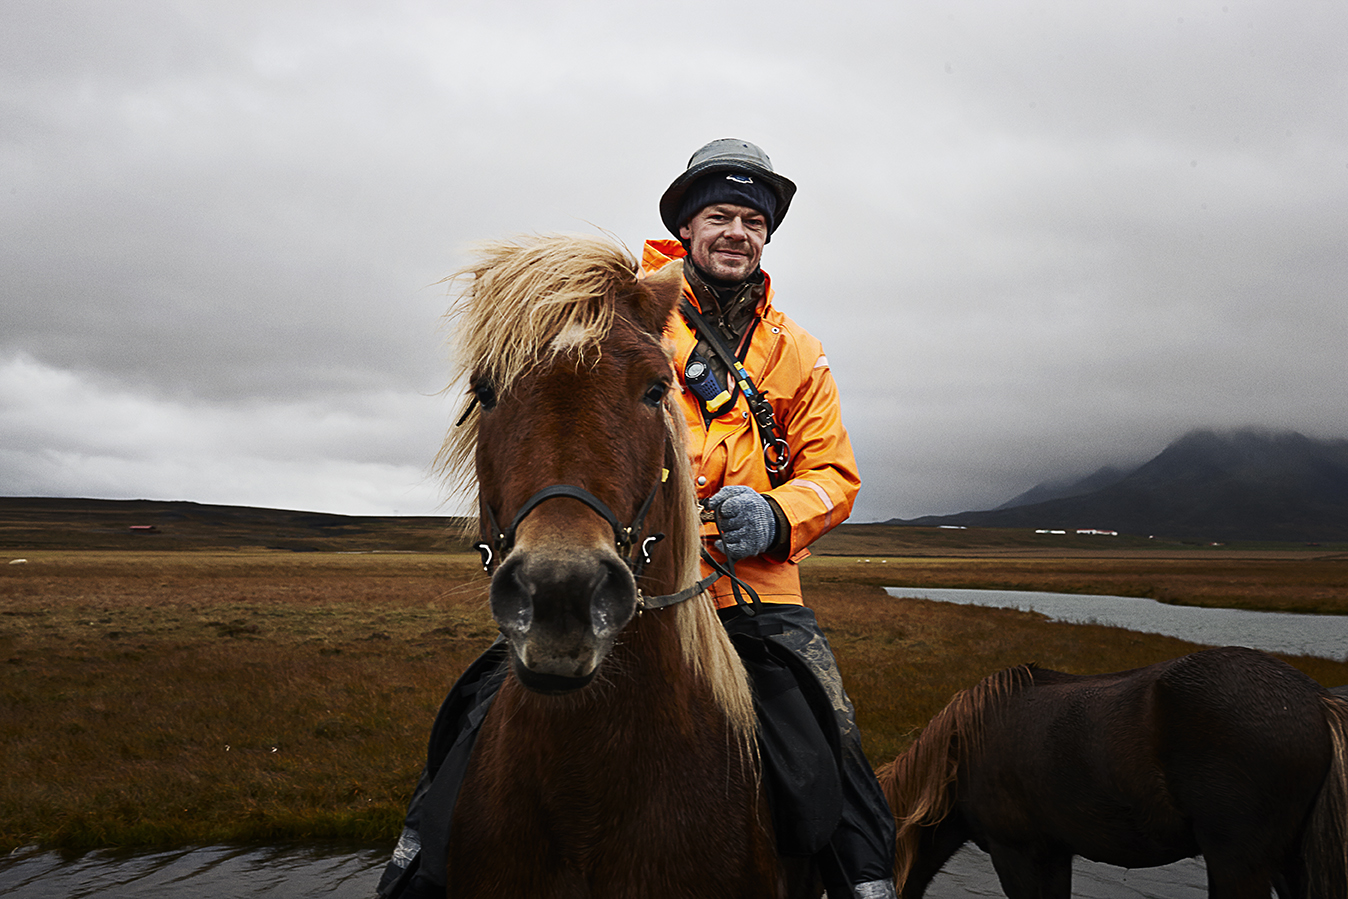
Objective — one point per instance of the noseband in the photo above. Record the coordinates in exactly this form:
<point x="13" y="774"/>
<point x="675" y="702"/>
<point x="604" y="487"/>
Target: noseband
<point x="632" y="547"/>
<point x="636" y="555"/>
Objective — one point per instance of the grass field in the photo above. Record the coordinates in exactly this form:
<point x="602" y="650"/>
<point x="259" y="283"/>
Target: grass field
<point x="176" y="698"/>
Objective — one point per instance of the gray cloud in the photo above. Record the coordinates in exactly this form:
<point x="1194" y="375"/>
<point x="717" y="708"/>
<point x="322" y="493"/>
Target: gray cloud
<point x="1035" y="238"/>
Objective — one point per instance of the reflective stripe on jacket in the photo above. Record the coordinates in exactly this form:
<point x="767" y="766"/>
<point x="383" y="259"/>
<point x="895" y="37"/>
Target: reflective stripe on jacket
<point x="788" y="365"/>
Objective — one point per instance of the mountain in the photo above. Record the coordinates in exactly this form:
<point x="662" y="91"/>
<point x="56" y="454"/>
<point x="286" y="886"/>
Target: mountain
<point x="1048" y="490"/>
<point x="64" y="523"/>
<point x="1246" y="484"/>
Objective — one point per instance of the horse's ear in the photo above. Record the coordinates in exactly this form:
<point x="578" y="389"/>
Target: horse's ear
<point x="664" y="288"/>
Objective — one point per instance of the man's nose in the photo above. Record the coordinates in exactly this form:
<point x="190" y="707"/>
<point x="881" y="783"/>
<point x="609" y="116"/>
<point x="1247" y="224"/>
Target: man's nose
<point x="736" y="229"/>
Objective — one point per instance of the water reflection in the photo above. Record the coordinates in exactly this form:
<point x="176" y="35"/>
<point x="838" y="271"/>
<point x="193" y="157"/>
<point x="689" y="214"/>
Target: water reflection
<point x="290" y="873"/>
<point x="969" y="873"/>
<point x="197" y="873"/>
<point x="1324" y="636"/>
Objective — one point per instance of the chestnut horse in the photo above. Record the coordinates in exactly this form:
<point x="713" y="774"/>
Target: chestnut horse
<point x="618" y="758"/>
<point x="1228" y="752"/>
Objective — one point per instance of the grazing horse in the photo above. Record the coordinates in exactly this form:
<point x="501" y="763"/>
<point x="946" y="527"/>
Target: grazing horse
<point x="1228" y="752"/>
<point x="618" y="758"/>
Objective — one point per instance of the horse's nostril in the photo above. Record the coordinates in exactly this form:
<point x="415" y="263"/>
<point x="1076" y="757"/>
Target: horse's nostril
<point x="511" y="600"/>
<point x="561" y="613"/>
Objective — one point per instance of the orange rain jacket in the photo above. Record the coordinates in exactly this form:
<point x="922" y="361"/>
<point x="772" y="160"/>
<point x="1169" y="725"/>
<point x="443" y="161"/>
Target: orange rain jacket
<point x="788" y="365"/>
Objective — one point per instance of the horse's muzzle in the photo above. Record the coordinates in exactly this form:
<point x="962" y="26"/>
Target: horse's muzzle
<point x="561" y="613"/>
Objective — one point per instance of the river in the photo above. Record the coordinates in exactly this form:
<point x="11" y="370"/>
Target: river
<point x="1323" y="636"/>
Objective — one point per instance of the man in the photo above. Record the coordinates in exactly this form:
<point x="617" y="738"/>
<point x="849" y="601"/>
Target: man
<point x="724" y="210"/>
<point x="774" y="468"/>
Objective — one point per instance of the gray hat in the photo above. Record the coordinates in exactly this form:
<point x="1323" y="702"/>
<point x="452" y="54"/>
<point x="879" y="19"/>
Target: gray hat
<point x="726" y="155"/>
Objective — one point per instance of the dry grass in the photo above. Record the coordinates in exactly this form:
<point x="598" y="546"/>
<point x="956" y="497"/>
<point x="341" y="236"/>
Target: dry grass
<point x="202" y="697"/>
<point x="181" y="698"/>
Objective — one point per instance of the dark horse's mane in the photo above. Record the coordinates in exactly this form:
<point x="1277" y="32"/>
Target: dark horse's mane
<point x="527" y="301"/>
<point x="953" y="735"/>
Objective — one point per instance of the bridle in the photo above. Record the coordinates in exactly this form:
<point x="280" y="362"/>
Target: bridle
<point x="632" y="547"/>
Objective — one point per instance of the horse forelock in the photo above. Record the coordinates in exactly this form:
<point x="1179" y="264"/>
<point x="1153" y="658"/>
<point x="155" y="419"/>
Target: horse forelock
<point x="522" y="302"/>
<point x="919" y="784"/>
<point x="520" y="296"/>
<point x="530" y="300"/>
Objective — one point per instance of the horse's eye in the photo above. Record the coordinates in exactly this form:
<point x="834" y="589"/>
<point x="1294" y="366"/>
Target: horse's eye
<point x="655" y="394"/>
<point x="486" y="395"/>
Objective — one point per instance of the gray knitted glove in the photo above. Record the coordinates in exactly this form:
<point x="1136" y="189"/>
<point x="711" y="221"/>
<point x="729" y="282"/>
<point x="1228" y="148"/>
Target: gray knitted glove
<point x="747" y="523"/>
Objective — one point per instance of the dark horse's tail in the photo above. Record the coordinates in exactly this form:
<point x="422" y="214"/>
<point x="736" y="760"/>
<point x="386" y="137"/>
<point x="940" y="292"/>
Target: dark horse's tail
<point x="1324" y="854"/>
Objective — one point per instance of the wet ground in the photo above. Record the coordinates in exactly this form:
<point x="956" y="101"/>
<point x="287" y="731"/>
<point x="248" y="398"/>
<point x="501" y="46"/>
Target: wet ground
<point x="222" y="872"/>
<point x="218" y="872"/>
<point x="969" y="873"/>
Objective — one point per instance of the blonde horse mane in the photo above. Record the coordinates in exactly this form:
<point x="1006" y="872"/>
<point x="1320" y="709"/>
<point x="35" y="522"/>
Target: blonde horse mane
<point x="919" y="783"/>
<point x="516" y="300"/>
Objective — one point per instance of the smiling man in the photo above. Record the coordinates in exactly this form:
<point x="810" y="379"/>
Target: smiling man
<point x="727" y="241"/>
<point x="773" y="466"/>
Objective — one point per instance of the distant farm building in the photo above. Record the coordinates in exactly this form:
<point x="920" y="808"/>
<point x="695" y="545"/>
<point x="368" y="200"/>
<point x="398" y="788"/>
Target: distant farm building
<point x="144" y="529"/>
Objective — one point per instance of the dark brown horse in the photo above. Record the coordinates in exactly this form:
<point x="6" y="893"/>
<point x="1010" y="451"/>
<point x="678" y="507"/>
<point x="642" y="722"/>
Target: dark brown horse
<point x="618" y="758"/>
<point x="1229" y="753"/>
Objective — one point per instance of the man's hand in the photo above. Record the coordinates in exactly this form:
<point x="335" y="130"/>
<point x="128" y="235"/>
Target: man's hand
<point x="748" y="525"/>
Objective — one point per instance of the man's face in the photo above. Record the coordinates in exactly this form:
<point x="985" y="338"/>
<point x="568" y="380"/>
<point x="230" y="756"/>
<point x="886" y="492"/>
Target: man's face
<point x="726" y="241"/>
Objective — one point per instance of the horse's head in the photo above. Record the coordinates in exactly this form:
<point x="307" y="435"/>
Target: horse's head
<point x="574" y="442"/>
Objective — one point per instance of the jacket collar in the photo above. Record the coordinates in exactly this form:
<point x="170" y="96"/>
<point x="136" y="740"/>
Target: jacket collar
<point x="731" y="306"/>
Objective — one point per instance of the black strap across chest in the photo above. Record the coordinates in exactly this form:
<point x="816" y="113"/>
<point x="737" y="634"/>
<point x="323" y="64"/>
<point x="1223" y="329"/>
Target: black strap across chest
<point x="776" y="451"/>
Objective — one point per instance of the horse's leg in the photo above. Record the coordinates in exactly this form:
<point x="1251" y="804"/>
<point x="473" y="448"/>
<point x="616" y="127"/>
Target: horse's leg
<point x="1237" y="879"/>
<point x="1033" y="874"/>
<point x="935" y="846"/>
<point x="1244" y="841"/>
<point x="1286" y="884"/>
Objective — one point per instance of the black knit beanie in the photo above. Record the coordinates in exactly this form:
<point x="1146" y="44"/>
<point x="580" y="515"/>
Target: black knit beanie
<point x="739" y="188"/>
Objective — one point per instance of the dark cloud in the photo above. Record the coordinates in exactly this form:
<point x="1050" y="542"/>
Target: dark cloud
<point x="1035" y="239"/>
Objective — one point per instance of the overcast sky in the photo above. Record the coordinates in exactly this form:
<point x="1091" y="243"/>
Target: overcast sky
<point x="1034" y="237"/>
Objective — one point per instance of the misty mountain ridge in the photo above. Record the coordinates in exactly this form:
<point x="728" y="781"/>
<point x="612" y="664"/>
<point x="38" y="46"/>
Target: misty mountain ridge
<point x="1040" y="493"/>
<point x="1210" y="486"/>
